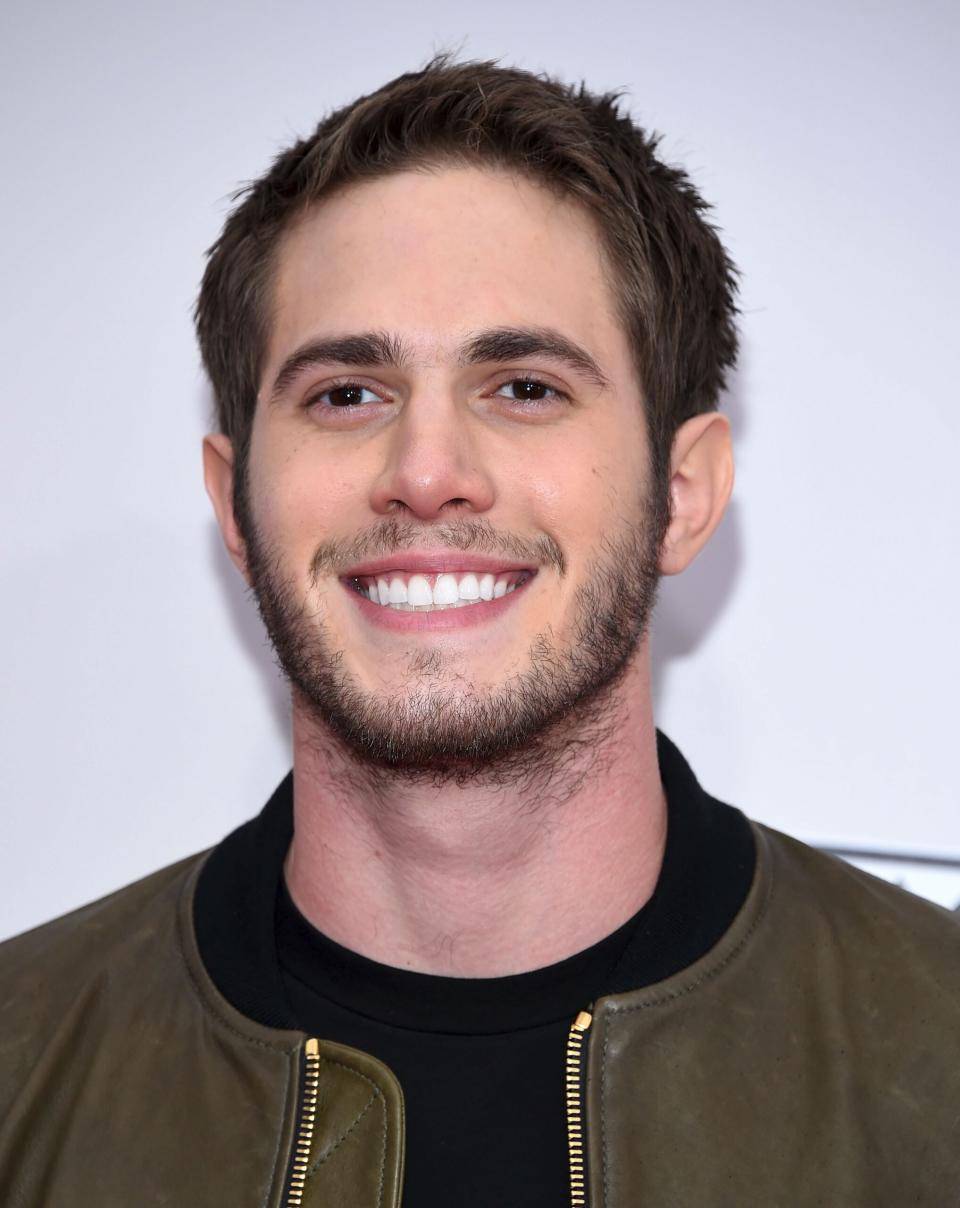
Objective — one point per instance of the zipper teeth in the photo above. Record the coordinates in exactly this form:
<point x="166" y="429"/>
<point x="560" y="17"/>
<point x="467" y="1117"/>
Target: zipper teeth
<point x="308" y="1116"/>
<point x="578" y="1190"/>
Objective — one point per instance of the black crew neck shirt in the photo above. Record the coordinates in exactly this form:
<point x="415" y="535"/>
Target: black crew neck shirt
<point x="481" y="1061"/>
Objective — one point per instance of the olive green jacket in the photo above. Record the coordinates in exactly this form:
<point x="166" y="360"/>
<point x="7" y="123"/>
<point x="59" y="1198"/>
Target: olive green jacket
<point x="811" y="1058"/>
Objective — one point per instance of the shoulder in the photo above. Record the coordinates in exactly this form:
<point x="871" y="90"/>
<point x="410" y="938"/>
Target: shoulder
<point x="870" y="929"/>
<point x="47" y="971"/>
<point x="88" y="932"/>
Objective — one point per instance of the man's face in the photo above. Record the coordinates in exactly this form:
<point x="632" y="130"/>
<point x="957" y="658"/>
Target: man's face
<point x="448" y="527"/>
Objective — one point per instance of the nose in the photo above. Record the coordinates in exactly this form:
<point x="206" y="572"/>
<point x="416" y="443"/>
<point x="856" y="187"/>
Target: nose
<point x="432" y="467"/>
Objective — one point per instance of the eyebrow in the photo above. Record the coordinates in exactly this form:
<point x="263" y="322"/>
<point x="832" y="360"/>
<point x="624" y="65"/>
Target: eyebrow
<point x="379" y="348"/>
<point x="365" y="349"/>
<point x="516" y="343"/>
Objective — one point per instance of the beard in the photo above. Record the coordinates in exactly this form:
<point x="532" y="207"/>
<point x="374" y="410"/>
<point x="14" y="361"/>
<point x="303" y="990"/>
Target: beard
<point x="440" y="729"/>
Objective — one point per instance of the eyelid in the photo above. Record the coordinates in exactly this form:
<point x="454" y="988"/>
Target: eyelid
<point x="539" y="377"/>
<point x="315" y="393"/>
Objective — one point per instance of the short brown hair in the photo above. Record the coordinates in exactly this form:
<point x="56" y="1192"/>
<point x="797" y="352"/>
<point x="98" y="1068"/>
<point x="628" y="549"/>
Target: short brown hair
<point x="674" y="281"/>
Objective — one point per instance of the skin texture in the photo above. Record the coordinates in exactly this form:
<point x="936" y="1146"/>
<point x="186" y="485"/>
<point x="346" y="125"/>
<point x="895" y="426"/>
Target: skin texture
<point x="472" y="868"/>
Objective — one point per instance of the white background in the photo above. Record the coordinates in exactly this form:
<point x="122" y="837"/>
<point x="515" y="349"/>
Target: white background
<point x="808" y="665"/>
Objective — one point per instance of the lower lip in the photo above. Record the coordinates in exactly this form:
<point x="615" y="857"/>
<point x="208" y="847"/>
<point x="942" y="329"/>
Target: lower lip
<point x="441" y="620"/>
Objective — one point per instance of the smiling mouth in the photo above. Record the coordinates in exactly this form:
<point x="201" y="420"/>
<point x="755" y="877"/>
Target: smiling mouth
<point x="408" y="592"/>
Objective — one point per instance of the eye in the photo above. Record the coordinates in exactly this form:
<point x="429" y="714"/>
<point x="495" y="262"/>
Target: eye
<point x="347" y="394"/>
<point x="527" y="390"/>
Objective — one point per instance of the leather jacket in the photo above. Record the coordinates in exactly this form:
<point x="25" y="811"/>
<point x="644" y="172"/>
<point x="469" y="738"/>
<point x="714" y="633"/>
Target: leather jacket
<point x="811" y="1057"/>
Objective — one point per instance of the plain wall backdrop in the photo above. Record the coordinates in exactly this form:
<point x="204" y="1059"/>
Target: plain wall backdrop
<point x="807" y="665"/>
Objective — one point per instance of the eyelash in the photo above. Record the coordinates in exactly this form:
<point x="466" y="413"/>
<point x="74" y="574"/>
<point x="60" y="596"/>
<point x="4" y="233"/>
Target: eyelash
<point x="533" y="380"/>
<point x="346" y="384"/>
<point x="353" y="384"/>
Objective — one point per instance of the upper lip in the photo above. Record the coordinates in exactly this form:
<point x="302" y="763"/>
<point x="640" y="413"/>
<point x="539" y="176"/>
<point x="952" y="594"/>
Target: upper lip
<point x="427" y="563"/>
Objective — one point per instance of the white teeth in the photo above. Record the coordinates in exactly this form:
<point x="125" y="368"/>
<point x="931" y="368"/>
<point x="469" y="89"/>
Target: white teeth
<point x="469" y="588"/>
<point x="419" y="593"/>
<point x="446" y="590"/>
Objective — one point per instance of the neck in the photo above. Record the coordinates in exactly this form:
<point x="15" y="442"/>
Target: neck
<point x="480" y="880"/>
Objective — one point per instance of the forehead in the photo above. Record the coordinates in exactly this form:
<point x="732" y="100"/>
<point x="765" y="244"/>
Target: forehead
<point x="438" y="253"/>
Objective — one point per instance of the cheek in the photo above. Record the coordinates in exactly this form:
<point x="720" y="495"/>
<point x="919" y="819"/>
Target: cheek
<point x="581" y="489"/>
<point x="295" y="500"/>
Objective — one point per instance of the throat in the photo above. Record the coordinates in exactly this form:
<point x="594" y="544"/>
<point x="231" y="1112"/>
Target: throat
<point x="477" y="881"/>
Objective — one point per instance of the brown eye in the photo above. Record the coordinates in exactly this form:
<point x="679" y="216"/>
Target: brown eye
<point x="348" y="396"/>
<point x="524" y="390"/>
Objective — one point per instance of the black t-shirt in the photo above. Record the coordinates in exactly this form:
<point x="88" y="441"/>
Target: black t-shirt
<point x="480" y="1061"/>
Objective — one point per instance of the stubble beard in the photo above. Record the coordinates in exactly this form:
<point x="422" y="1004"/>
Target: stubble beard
<point x="551" y="717"/>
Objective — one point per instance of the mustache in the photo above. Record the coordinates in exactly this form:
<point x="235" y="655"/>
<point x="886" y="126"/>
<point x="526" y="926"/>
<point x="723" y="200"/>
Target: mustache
<point x="478" y="536"/>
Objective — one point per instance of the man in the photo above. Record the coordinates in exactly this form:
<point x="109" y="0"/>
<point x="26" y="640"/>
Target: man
<point x="490" y="943"/>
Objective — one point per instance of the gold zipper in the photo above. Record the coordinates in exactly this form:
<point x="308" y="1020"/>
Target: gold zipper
<point x="308" y="1116"/>
<point x="575" y="1115"/>
<point x="575" y="1108"/>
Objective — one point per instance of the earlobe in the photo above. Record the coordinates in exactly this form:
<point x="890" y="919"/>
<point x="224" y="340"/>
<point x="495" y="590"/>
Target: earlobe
<point x="218" y="479"/>
<point x="701" y="480"/>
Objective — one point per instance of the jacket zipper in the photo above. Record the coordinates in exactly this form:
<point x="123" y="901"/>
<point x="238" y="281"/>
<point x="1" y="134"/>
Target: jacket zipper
<point x="576" y="1109"/>
<point x="308" y="1115"/>
<point x="576" y="1115"/>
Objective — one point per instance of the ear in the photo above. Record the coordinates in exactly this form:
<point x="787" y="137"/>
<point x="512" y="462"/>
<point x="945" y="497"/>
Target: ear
<point x="701" y="479"/>
<point x="218" y="479"/>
